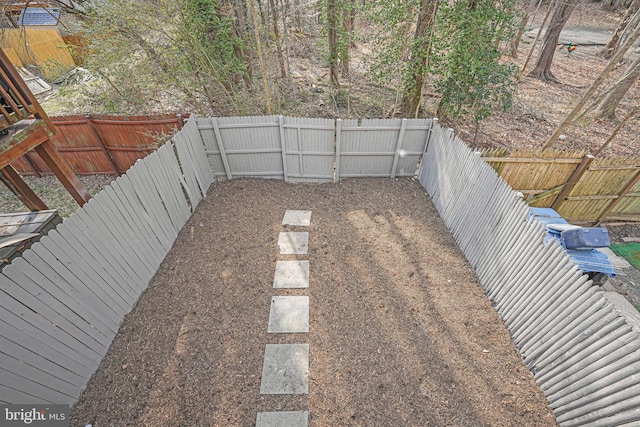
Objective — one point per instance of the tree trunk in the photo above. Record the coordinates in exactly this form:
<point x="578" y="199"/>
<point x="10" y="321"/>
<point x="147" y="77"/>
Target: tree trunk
<point x="515" y="41"/>
<point x="611" y="5"/>
<point x="297" y="18"/>
<point x="263" y="68"/>
<point x="535" y="41"/>
<point x="560" y="15"/>
<point x="520" y="29"/>
<point x="632" y="28"/>
<point x="348" y="22"/>
<point x="240" y="31"/>
<point x="608" y="51"/>
<point x="276" y="36"/>
<point x="332" y="20"/>
<point x="607" y="106"/>
<point x="419" y="55"/>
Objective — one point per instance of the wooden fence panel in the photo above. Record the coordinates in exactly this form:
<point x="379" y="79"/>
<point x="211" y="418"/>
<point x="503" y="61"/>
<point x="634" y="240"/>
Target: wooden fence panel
<point x="103" y="144"/>
<point x="596" y="190"/>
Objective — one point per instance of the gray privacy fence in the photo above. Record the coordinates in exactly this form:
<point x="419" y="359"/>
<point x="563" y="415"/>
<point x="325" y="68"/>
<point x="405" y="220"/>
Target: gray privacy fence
<point x="582" y="353"/>
<point x="313" y="150"/>
<point x="62" y="303"/>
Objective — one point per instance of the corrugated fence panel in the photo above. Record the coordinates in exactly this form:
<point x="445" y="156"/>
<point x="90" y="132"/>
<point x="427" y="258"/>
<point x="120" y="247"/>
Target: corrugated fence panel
<point x="411" y="146"/>
<point x="252" y="146"/>
<point x="63" y="301"/>
<point x="584" y="356"/>
<point x="309" y="149"/>
<point x="368" y="149"/>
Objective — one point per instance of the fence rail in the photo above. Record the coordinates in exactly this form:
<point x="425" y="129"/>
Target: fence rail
<point x="63" y="301"/>
<point x="103" y="144"/>
<point x="313" y="150"/>
<point x="582" y="353"/>
<point x="579" y="187"/>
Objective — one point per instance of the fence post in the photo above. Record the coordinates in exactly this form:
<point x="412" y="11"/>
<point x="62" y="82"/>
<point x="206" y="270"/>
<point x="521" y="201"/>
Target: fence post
<point x="403" y="127"/>
<point x="338" y="135"/>
<point x="283" y="145"/>
<point x="223" y="155"/>
<point x="623" y="193"/>
<point x="573" y="180"/>
<point x="102" y="145"/>
<point x="434" y="123"/>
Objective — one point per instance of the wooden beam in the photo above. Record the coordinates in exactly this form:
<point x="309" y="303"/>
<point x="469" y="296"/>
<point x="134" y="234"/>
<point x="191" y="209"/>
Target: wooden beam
<point x="614" y="167"/>
<point x="622" y="217"/>
<point x="63" y="171"/>
<point x="22" y="142"/>
<point x="529" y="160"/>
<point x="545" y="194"/>
<point x="573" y="180"/>
<point x="27" y="158"/>
<point x="627" y="188"/>
<point x="103" y="146"/>
<point x="594" y="197"/>
<point x="16" y="184"/>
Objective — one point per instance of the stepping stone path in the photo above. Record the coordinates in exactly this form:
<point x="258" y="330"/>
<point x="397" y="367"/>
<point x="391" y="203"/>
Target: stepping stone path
<point x="286" y="366"/>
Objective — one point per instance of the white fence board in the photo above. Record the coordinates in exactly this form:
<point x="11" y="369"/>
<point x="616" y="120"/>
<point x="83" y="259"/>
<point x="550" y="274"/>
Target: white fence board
<point x="313" y="150"/>
<point x="584" y="356"/>
<point x="309" y="149"/>
<point x="64" y="299"/>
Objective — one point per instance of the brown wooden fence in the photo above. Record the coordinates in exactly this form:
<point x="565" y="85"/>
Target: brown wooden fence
<point x="103" y="144"/>
<point x="580" y="187"/>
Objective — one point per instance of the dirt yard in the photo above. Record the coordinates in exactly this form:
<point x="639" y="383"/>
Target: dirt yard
<point x="401" y="334"/>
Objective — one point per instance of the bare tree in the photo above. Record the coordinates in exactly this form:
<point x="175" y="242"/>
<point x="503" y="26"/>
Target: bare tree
<point x="527" y="8"/>
<point x="613" y="62"/>
<point x="606" y="104"/>
<point x="610" y="48"/>
<point x="348" y="24"/>
<point x="561" y="13"/>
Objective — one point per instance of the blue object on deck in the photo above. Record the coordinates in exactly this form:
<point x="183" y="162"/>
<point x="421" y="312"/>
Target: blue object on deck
<point x="39" y="16"/>
<point x="585" y="238"/>
<point x="578" y="244"/>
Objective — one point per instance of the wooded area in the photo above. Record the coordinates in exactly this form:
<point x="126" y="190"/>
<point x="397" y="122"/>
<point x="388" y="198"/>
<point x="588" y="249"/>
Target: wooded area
<point x="348" y="59"/>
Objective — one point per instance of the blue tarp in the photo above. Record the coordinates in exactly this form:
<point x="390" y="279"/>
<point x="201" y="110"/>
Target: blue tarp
<point x="39" y="16"/>
<point x="588" y="260"/>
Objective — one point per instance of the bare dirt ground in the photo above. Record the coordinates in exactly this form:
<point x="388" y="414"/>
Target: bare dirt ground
<point x="401" y="334"/>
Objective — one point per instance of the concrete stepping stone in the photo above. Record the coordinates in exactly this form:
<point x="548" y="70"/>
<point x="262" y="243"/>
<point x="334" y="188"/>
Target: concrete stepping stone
<point x="291" y="274"/>
<point x="285" y="369"/>
<point x="293" y="243"/>
<point x="300" y="218"/>
<point x="289" y="314"/>
<point x="283" y="419"/>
